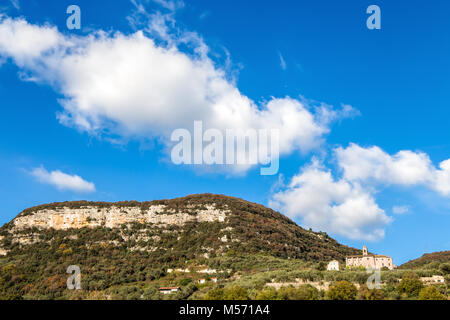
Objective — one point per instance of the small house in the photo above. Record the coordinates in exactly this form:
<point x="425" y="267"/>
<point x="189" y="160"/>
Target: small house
<point x="333" y="265"/>
<point x="169" y="290"/>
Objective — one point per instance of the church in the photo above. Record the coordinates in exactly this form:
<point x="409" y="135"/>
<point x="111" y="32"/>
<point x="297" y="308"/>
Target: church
<point x="366" y="260"/>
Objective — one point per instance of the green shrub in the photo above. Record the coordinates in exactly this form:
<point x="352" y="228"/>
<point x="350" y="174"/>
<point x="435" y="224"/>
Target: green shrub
<point x="184" y="282"/>
<point x="342" y="290"/>
<point x="307" y="292"/>
<point x="235" y="293"/>
<point x="322" y="266"/>
<point x="445" y="268"/>
<point x="410" y="285"/>
<point x="370" y="294"/>
<point x="431" y="293"/>
<point x="215" y="294"/>
<point x="267" y="294"/>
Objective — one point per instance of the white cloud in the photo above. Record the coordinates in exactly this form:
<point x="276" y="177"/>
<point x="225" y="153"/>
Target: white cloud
<point x="15" y="3"/>
<point x="282" y="62"/>
<point x="406" y="168"/>
<point x="347" y="206"/>
<point x="63" y="181"/>
<point x="336" y="206"/>
<point x="400" y="209"/>
<point x="26" y="43"/>
<point x="133" y="87"/>
<point x="170" y="5"/>
<point x="440" y="180"/>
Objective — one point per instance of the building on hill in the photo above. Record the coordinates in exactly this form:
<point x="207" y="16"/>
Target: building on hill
<point x="333" y="265"/>
<point x="366" y="260"/>
<point x="169" y="290"/>
<point x="433" y="280"/>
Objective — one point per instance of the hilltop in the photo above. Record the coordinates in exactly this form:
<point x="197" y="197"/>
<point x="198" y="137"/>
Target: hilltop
<point x="427" y="259"/>
<point x="137" y="242"/>
<point x="220" y="222"/>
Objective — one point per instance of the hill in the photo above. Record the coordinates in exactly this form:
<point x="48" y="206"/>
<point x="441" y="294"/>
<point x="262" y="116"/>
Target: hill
<point x="139" y="242"/>
<point x="427" y="260"/>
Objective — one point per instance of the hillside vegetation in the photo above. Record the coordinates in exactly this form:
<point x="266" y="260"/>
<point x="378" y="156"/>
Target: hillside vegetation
<point x="252" y="253"/>
<point x="428" y="261"/>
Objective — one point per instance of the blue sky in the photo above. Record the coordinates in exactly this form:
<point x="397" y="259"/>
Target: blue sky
<point x="396" y="79"/>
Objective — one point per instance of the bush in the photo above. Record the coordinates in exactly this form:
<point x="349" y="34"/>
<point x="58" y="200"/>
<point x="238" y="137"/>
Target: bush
<point x="186" y="291"/>
<point x="229" y="293"/>
<point x="288" y="293"/>
<point x="370" y="294"/>
<point x="267" y="294"/>
<point x="342" y="290"/>
<point x="235" y="293"/>
<point x="431" y="293"/>
<point x="307" y="292"/>
<point x="322" y="266"/>
<point x="152" y="293"/>
<point x="445" y="268"/>
<point x="214" y="294"/>
<point x="410" y="285"/>
<point x="184" y="282"/>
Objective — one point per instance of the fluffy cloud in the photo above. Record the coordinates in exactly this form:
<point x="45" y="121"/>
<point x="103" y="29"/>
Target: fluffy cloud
<point x="400" y="209"/>
<point x="25" y="42"/>
<point x="441" y="178"/>
<point x="132" y="86"/>
<point x="336" y="206"/>
<point x="347" y="206"/>
<point x="63" y="181"/>
<point x="406" y="168"/>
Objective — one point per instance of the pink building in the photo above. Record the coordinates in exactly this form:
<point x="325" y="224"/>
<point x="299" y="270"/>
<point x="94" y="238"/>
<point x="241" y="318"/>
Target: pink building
<point x="375" y="261"/>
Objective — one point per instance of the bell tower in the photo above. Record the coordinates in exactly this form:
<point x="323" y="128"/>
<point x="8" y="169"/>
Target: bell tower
<point x="364" y="251"/>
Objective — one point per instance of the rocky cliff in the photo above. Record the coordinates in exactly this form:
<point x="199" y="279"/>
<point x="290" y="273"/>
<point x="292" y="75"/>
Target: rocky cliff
<point x="124" y="245"/>
<point x="63" y="217"/>
<point x="196" y="225"/>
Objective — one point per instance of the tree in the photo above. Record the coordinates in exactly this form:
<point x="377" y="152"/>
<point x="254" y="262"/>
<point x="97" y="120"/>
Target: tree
<point x="307" y="292"/>
<point x="432" y="265"/>
<point x="322" y="266"/>
<point x="370" y="294"/>
<point x="152" y="293"/>
<point x="235" y="293"/>
<point x="303" y="292"/>
<point x="342" y="290"/>
<point x="267" y="294"/>
<point x="287" y="293"/>
<point x="410" y="285"/>
<point x="445" y="268"/>
<point x="431" y="293"/>
<point x="184" y="282"/>
<point x="186" y="291"/>
<point x="215" y="294"/>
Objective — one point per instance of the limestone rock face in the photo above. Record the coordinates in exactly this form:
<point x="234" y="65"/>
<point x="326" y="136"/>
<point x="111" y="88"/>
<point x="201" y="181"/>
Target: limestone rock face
<point x="3" y="252"/>
<point x="113" y="217"/>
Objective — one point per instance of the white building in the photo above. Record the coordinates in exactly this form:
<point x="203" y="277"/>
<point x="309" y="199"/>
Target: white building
<point x="433" y="280"/>
<point x="333" y="265"/>
<point x="375" y="261"/>
<point x="169" y="290"/>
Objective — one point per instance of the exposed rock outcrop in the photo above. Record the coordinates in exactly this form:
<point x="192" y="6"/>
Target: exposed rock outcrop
<point x="113" y="217"/>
